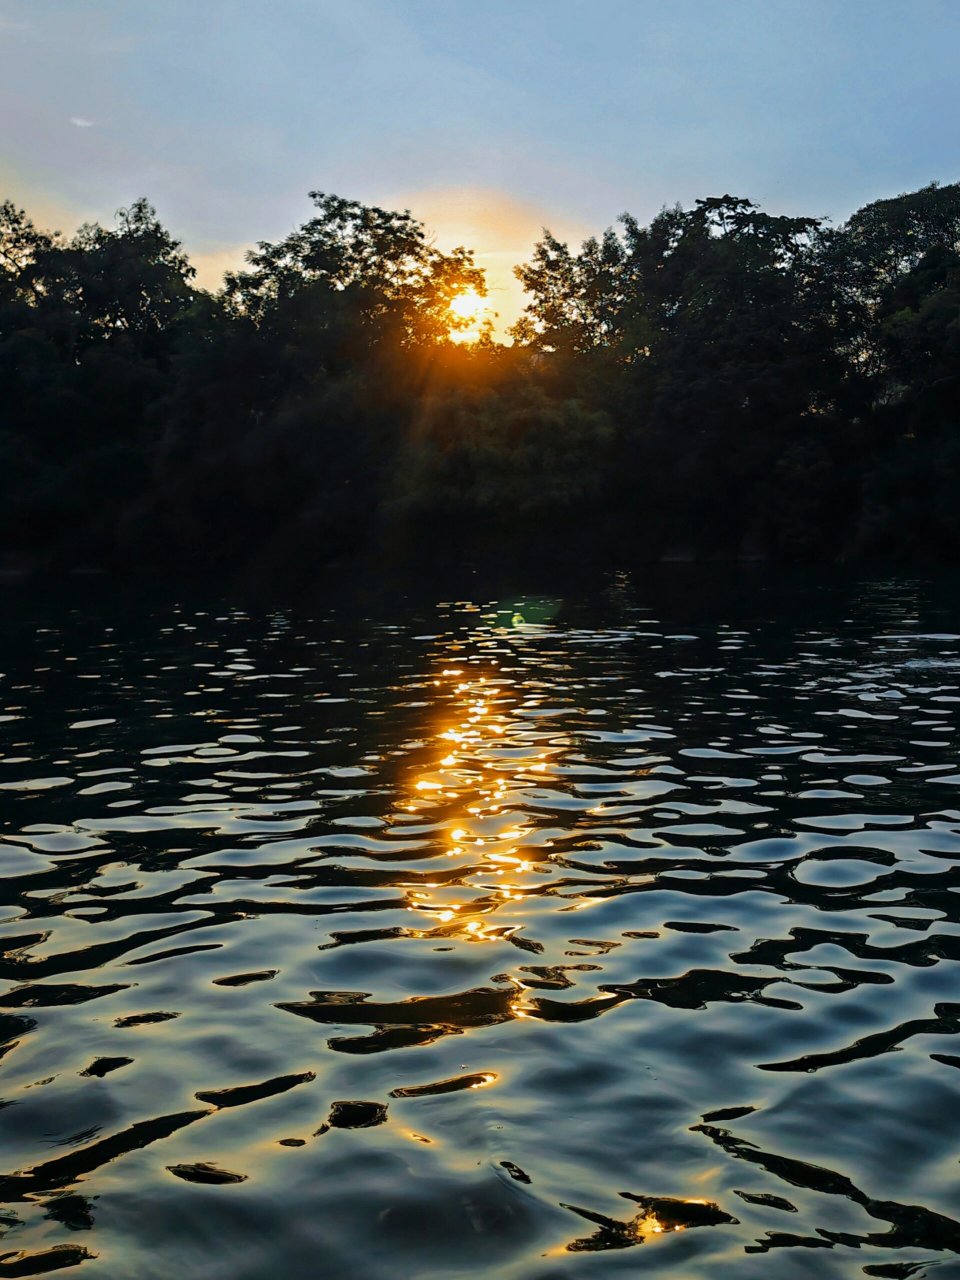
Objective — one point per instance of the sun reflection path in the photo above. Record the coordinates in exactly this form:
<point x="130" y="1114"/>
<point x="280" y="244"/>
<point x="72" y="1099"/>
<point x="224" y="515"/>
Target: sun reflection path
<point x="475" y="792"/>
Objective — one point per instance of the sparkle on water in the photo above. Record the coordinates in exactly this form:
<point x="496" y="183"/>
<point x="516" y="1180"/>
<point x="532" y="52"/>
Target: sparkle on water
<point x="478" y="938"/>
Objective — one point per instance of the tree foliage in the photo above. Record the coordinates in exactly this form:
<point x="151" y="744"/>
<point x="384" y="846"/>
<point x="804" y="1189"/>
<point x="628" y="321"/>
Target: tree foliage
<point x="719" y="381"/>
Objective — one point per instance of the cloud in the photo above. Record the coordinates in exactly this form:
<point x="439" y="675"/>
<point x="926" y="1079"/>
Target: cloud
<point x="81" y="122"/>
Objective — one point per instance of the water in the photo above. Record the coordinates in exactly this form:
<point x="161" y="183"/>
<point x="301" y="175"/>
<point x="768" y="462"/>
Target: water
<point x="517" y="937"/>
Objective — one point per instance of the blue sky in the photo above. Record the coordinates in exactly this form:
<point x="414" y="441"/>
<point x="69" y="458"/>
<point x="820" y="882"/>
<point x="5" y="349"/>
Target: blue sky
<point x="487" y="117"/>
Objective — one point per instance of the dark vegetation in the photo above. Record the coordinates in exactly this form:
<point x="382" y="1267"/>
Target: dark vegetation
<point x="719" y="383"/>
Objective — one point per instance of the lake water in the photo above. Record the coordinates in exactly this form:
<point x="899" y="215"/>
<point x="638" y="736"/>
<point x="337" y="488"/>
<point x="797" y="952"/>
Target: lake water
<point x="517" y="935"/>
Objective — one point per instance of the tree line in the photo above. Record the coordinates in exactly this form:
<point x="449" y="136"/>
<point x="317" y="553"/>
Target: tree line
<point x="720" y="382"/>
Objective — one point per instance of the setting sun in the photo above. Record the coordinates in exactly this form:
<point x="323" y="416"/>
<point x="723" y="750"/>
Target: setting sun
<point x="467" y="305"/>
<point x="468" y="310"/>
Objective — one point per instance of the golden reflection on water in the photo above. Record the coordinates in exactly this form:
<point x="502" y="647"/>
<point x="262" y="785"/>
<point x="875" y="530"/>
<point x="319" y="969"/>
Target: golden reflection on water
<point x="486" y="759"/>
<point x="659" y="1216"/>
<point x="472" y="796"/>
<point x="650" y="1225"/>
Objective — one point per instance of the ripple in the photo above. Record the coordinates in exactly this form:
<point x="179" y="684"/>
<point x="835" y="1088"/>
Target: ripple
<point x="205" y="1174"/>
<point x="477" y="1080"/>
<point x="437" y="926"/>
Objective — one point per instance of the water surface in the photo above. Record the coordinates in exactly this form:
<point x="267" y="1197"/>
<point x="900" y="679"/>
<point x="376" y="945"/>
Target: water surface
<point x="516" y="936"/>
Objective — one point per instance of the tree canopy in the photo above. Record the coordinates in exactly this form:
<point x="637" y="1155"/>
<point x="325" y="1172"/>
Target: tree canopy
<point x="721" y="381"/>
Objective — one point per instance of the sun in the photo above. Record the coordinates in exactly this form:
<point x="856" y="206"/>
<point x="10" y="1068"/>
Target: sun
<point x="467" y="305"/>
<point x="467" y="310"/>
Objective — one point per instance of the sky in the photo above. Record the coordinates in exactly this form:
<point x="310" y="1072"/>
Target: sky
<point x="489" y="119"/>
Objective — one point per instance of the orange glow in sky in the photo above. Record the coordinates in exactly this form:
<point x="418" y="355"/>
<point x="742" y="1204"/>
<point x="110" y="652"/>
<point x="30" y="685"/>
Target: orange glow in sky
<point x="499" y="229"/>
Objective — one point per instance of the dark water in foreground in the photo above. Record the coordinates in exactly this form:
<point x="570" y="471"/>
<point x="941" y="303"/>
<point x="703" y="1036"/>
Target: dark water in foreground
<point x="529" y="937"/>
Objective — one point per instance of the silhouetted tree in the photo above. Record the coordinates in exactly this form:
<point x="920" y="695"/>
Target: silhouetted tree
<point x="718" y="382"/>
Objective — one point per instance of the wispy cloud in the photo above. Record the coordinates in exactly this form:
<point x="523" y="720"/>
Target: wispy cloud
<point x="81" y="122"/>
